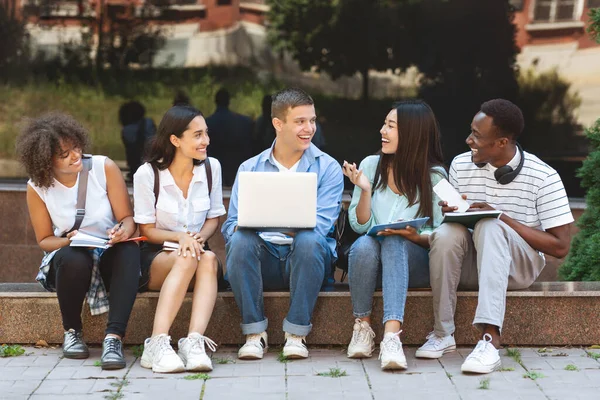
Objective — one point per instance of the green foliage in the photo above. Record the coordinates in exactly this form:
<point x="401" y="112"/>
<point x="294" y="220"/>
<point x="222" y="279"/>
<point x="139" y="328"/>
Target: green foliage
<point x="484" y="383"/>
<point x="333" y="373"/>
<point x="571" y="367"/>
<point x="533" y="375"/>
<point x="138" y="350"/>
<point x="281" y="358"/>
<point x="195" y="377"/>
<point x="583" y="261"/>
<point x="338" y="37"/>
<point x="594" y="355"/>
<point x="225" y="360"/>
<point x="14" y="45"/>
<point x="11" y="350"/>
<point x="97" y="363"/>
<point x="515" y="354"/>
<point x="549" y="106"/>
<point x="594" y="27"/>
<point x="506" y="369"/>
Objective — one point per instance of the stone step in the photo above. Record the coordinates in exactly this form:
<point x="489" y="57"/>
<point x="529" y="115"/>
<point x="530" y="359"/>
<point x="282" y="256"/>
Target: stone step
<point x="547" y="314"/>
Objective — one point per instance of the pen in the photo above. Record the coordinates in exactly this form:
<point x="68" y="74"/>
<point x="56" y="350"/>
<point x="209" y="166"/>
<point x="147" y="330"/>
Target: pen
<point x="120" y="225"/>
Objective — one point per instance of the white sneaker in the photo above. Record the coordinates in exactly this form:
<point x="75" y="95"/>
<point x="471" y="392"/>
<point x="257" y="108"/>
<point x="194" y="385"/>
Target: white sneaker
<point x="255" y="347"/>
<point x="485" y="358"/>
<point x="295" y="346"/>
<point x="436" y="346"/>
<point x="160" y="356"/>
<point x="391" y="354"/>
<point x="193" y="354"/>
<point x="362" y="342"/>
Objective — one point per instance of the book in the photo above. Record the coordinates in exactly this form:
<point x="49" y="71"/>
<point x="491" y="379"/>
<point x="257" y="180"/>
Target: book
<point x="446" y="192"/>
<point x="470" y="218"/>
<point x="170" y="246"/>
<point x="84" y="240"/>
<point x="415" y="223"/>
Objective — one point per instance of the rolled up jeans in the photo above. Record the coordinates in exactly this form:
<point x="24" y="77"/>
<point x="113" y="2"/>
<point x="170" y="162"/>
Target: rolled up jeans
<point x="392" y="263"/>
<point x="254" y="265"/>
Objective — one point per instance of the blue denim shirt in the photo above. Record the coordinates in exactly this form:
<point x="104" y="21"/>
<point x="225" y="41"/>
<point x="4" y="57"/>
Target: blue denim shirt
<point x="330" y="185"/>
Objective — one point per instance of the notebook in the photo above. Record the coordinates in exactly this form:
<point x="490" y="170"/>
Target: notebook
<point x="414" y="223"/>
<point x="277" y="201"/>
<point x="81" y="239"/>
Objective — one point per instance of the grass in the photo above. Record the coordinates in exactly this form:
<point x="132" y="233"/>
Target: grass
<point x="571" y="367"/>
<point x="593" y="354"/>
<point x="484" y="384"/>
<point x="118" y="385"/>
<point x="138" y="350"/>
<point x="97" y="363"/>
<point x="225" y="360"/>
<point x="515" y="354"/>
<point x="281" y="358"/>
<point x="196" y="377"/>
<point x="11" y="350"/>
<point x="506" y="369"/>
<point x="333" y="373"/>
<point x="449" y="375"/>
<point x="594" y="347"/>
<point x="533" y="375"/>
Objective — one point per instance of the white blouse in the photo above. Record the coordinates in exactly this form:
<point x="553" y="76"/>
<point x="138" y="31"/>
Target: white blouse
<point x="61" y="202"/>
<point x="173" y="212"/>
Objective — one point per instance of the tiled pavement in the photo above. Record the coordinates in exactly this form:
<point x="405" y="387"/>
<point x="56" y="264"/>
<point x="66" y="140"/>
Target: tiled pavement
<point x="44" y="374"/>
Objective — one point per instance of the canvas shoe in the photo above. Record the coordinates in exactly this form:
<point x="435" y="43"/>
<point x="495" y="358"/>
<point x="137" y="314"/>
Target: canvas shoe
<point x="362" y="343"/>
<point x="112" y="353"/>
<point x="255" y="347"/>
<point x="160" y="356"/>
<point x="74" y="346"/>
<point x="436" y="346"/>
<point x="485" y="358"/>
<point x="295" y="346"/>
<point x="391" y="353"/>
<point x="192" y="352"/>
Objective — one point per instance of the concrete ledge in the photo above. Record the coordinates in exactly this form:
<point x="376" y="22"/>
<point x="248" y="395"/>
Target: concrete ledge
<point x="553" y="314"/>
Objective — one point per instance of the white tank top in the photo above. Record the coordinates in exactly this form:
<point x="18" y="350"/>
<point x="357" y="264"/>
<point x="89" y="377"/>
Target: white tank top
<point x="61" y="202"/>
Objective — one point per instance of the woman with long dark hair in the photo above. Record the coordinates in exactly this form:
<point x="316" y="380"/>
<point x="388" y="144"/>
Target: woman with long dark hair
<point x="186" y="212"/>
<point x="396" y="184"/>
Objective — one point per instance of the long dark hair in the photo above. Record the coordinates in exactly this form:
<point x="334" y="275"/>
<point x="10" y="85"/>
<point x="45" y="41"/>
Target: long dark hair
<point x="419" y="150"/>
<point x="175" y="121"/>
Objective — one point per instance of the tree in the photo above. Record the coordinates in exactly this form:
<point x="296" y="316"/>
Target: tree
<point x="14" y="45"/>
<point x="583" y="261"/>
<point x="339" y="37"/>
<point x="466" y="51"/>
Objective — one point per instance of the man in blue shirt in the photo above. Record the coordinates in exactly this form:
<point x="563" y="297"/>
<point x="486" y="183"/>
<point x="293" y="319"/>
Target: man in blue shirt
<point x="255" y="262"/>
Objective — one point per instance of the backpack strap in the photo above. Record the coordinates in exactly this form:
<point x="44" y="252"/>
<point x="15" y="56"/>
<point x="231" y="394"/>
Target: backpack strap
<point x="156" y="183"/>
<point x="86" y="159"/>
<point x="208" y="175"/>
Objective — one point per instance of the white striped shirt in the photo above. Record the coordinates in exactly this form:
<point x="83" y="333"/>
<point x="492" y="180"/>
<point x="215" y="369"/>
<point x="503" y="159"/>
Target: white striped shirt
<point x="536" y="197"/>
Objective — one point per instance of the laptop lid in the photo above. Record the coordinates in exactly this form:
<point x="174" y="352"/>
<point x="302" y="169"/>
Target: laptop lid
<point x="275" y="201"/>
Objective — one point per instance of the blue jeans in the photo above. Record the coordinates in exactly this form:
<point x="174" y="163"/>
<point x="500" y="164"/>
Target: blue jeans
<point x="392" y="263"/>
<point x="254" y="265"/>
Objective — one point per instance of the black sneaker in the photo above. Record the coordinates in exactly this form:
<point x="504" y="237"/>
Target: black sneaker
<point x="74" y="346"/>
<point x="112" y="354"/>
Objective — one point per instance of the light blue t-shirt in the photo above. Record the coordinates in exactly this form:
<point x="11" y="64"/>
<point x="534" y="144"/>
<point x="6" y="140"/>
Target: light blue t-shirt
<point x="387" y="206"/>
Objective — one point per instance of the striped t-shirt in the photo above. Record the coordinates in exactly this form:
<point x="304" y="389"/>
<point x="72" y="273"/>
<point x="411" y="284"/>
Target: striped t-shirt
<point x="536" y="197"/>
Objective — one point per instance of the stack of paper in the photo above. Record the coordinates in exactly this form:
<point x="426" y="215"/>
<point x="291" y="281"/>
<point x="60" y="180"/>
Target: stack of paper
<point x="84" y="240"/>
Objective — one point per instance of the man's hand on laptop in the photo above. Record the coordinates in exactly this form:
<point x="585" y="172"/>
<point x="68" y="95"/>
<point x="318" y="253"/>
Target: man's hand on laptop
<point x="290" y="234"/>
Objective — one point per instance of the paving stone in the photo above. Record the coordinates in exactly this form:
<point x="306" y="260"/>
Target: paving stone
<point x="91" y="396"/>
<point x="18" y="387"/>
<point x="67" y="386"/>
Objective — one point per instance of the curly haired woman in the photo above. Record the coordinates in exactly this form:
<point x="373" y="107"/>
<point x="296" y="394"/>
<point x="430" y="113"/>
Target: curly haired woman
<point x="51" y="149"/>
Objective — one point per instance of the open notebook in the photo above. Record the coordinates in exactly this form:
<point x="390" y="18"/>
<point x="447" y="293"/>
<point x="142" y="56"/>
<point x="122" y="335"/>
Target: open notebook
<point x="84" y="240"/>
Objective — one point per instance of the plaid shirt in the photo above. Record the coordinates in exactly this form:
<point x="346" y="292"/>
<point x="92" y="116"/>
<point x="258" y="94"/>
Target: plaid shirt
<point x="97" y="297"/>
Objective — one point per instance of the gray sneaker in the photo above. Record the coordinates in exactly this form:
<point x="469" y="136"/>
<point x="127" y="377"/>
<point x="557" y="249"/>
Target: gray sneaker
<point x="112" y="354"/>
<point x="74" y="346"/>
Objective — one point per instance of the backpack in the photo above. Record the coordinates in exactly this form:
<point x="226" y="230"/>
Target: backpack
<point x="344" y="238"/>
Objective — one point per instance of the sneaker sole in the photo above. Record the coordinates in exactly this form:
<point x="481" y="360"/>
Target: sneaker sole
<point x="252" y="356"/>
<point x="168" y="371"/>
<point x="295" y="356"/>
<point x="113" y="365"/>
<point x="481" y="369"/>
<point x="199" y="368"/>
<point x="394" y="365"/>
<point x="360" y="354"/>
<point x="76" y="356"/>
<point x="434" y="354"/>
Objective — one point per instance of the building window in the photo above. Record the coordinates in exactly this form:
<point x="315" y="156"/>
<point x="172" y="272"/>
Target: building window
<point x="593" y="3"/>
<point x="223" y="2"/>
<point x="556" y="10"/>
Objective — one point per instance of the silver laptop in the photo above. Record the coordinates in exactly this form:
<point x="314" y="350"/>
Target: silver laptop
<point x="277" y="201"/>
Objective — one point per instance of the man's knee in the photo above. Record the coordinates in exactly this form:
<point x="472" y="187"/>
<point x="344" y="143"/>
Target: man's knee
<point x="449" y="236"/>
<point x="242" y="242"/>
<point x="308" y="242"/>
<point x="489" y="228"/>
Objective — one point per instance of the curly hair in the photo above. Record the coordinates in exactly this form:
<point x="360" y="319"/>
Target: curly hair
<point x="507" y="117"/>
<point x="39" y="141"/>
